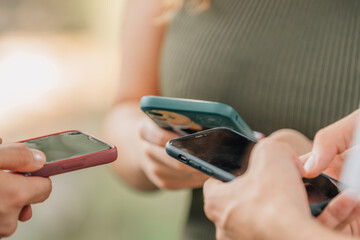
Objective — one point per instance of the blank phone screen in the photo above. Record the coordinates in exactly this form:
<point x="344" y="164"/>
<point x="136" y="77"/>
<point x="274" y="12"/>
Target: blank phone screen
<point x="222" y="148"/>
<point x="66" y="145"/>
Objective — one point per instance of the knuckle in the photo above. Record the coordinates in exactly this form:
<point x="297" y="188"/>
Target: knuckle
<point x="47" y="188"/>
<point x="142" y="131"/>
<point x="164" y="184"/>
<point x="21" y="153"/>
<point x="18" y="198"/>
<point x="146" y="148"/>
<point x="210" y="209"/>
<point x="162" y="138"/>
<point x="321" y="135"/>
<point x="283" y="134"/>
<point x="157" y="171"/>
<point x="264" y="144"/>
<point x="227" y="218"/>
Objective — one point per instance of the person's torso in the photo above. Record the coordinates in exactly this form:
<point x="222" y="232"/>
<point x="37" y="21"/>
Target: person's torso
<point x="279" y="63"/>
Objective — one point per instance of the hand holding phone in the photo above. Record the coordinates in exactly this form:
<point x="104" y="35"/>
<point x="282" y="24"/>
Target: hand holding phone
<point x="224" y="154"/>
<point x="69" y="151"/>
<point x="18" y="192"/>
<point x="159" y="168"/>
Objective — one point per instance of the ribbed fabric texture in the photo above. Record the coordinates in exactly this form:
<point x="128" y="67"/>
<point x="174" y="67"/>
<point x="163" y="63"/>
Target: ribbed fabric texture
<point x="279" y="63"/>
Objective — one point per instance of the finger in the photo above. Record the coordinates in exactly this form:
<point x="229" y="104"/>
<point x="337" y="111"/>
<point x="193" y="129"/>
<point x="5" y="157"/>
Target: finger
<point x="352" y="217"/>
<point x="165" y="177"/>
<point x="355" y="231"/>
<point x="27" y="190"/>
<point x="338" y="211"/>
<point x="329" y="142"/>
<point x="271" y="156"/>
<point x="25" y="214"/>
<point x="159" y="155"/>
<point x="336" y="165"/>
<point x="0" y="140"/>
<point x="172" y="180"/>
<point x="297" y="141"/>
<point x="152" y="133"/>
<point x="164" y="172"/>
<point x="211" y="183"/>
<point x="304" y="158"/>
<point x="17" y="157"/>
<point x="8" y="226"/>
<point x="212" y="205"/>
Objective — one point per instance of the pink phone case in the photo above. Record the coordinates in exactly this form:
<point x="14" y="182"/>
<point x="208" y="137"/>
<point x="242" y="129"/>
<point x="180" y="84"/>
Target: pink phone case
<point x="76" y="163"/>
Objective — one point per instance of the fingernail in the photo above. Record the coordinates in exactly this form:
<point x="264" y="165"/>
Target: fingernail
<point x="38" y="157"/>
<point x="309" y="164"/>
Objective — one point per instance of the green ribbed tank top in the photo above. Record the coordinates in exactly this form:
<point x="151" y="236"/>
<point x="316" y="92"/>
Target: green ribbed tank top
<point x="279" y="63"/>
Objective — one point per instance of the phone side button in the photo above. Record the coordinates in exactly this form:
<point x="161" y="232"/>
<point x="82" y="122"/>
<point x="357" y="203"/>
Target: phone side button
<point x="206" y="171"/>
<point x="194" y="164"/>
<point x="69" y="166"/>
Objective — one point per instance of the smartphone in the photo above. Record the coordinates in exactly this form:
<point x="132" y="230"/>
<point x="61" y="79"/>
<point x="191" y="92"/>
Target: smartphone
<point x="186" y="116"/>
<point x="223" y="153"/>
<point x="69" y="151"/>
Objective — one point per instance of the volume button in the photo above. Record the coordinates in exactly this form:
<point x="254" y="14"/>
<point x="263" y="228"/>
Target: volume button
<point x="194" y="164"/>
<point x="206" y="171"/>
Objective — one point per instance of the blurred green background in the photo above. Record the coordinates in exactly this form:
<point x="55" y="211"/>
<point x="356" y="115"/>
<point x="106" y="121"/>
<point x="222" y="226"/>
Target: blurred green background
<point x="59" y="63"/>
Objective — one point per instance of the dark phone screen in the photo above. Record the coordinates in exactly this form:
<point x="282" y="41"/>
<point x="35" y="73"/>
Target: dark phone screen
<point x="222" y="148"/>
<point x="66" y="145"/>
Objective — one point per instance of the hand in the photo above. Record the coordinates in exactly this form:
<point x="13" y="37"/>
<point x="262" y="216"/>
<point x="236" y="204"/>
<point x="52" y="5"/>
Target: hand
<point x="268" y="199"/>
<point x="328" y="153"/>
<point x="17" y="192"/>
<point x="343" y="211"/>
<point x="164" y="171"/>
<point x="329" y="145"/>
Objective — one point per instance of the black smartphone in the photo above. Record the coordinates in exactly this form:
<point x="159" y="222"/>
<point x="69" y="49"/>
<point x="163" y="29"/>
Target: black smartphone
<point x="223" y="153"/>
<point x="219" y="152"/>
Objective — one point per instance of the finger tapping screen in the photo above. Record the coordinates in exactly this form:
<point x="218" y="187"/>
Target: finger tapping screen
<point x="66" y="145"/>
<point x="350" y="175"/>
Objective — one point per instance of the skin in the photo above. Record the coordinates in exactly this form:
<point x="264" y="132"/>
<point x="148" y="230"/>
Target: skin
<point x="274" y="162"/>
<point x="279" y="215"/>
<point x="17" y="191"/>
<point x="329" y="151"/>
<point x="330" y="144"/>
<point x="143" y="162"/>
<point x="341" y="213"/>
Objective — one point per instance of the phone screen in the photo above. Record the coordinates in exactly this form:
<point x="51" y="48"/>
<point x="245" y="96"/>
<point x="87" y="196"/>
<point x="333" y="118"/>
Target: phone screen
<point x="66" y="145"/>
<point x="222" y="148"/>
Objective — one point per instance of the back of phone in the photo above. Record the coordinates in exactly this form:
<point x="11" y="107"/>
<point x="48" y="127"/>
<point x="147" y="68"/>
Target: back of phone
<point x="186" y="116"/>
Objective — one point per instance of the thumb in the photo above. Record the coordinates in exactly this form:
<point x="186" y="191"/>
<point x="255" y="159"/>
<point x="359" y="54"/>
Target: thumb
<point x="17" y="157"/>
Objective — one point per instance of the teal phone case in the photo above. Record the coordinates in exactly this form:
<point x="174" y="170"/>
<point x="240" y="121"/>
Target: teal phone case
<point x="186" y="116"/>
